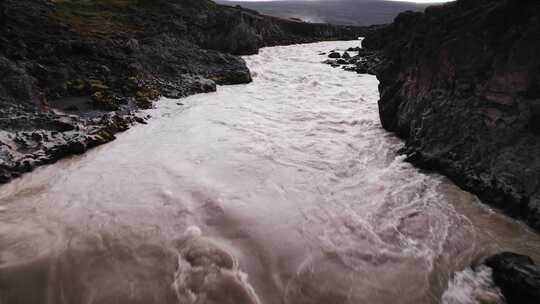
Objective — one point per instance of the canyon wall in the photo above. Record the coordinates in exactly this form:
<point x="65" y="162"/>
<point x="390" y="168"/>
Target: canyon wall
<point x="461" y="84"/>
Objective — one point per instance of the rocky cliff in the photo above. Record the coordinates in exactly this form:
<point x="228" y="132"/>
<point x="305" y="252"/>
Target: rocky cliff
<point x="73" y="71"/>
<point x="461" y="83"/>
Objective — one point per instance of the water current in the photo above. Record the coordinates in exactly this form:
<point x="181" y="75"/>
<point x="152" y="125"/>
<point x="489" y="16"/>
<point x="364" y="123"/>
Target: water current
<point x="286" y="190"/>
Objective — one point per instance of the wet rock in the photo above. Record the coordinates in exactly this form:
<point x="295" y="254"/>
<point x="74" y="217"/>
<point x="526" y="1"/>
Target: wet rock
<point x="334" y="55"/>
<point x="333" y="63"/>
<point x="460" y="85"/>
<point x="517" y="276"/>
<point x="368" y="63"/>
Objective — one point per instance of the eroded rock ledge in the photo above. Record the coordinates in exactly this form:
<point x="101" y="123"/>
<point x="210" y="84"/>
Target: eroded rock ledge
<point x="74" y="72"/>
<point x="461" y="84"/>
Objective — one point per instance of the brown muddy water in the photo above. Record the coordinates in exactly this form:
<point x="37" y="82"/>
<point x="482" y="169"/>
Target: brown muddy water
<point x="286" y="190"/>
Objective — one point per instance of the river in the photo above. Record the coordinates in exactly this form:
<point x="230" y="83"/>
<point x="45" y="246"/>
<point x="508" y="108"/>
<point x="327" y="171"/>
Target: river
<point x="286" y="190"/>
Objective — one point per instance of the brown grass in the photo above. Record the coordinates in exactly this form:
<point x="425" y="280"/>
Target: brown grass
<point x="94" y="17"/>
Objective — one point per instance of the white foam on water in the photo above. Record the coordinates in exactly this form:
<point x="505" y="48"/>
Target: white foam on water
<point x="473" y="287"/>
<point x="209" y="274"/>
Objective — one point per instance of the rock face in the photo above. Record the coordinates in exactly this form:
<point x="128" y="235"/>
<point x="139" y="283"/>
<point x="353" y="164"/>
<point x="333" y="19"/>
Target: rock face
<point x="461" y="83"/>
<point x="517" y="276"/>
<point x="74" y="72"/>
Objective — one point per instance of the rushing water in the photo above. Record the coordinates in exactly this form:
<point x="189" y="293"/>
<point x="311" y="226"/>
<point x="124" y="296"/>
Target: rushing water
<point x="285" y="190"/>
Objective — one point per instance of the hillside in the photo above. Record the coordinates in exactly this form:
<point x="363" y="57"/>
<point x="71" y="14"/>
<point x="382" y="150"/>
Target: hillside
<point x="346" y="12"/>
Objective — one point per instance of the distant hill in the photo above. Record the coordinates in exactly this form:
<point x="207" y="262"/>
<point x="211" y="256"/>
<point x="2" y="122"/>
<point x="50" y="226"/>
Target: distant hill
<point x="347" y="12"/>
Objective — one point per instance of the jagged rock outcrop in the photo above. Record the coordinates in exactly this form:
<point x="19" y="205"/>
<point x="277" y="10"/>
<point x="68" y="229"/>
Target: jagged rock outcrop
<point x="73" y="72"/>
<point x="362" y="61"/>
<point x="517" y="276"/>
<point x="461" y="83"/>
<point x="242" y="32"/>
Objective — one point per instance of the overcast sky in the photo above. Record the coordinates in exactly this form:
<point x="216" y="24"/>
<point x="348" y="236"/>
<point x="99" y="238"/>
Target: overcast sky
<point x="344" y="12"/>
<point x="417" y="1"/>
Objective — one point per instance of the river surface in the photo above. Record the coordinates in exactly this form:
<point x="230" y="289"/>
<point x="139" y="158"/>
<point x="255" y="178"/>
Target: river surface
<point x="286" y="190"/>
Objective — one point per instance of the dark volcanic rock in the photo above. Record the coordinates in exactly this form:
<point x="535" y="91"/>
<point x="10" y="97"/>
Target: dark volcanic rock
<point x="242" y="32"/>
<point x="461" y="83"/>
<point x="517" y="276"/>
<point x="367" y="62"/>
<point x="334" y="55"/>
<point x="74" y="72"/>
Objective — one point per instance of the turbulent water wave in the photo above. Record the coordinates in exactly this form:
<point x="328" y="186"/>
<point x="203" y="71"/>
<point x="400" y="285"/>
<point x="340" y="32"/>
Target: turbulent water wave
<point x="286" y="190"/>
<point x="473" y="287"/>
<point x="209" y="274"/>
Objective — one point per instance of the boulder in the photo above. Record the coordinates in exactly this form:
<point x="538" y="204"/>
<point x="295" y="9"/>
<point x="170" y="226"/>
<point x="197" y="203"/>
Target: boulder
<point x="517" y="276"/>
<point x="334" y="55"/>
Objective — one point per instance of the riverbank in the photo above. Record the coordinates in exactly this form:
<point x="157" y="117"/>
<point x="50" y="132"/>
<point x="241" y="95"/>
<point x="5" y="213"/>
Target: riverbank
<point x="460" y="83"/>
<point x="75" y="73"/>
